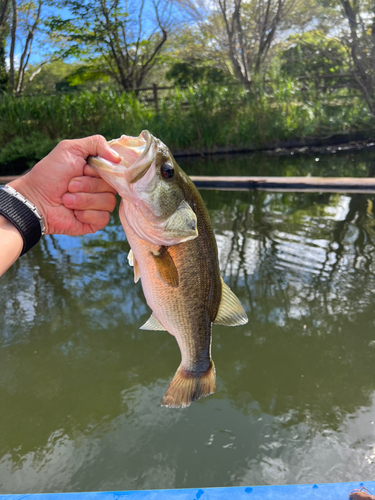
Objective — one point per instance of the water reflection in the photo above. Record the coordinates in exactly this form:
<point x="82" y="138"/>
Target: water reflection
<point x="80" y="385"/>
<point x="307" y="278"/>
<point x="353" y="163"/>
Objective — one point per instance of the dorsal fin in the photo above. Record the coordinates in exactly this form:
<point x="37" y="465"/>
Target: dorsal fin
<point x="231" y="312"/>
<point x="152" y="324"/>
<point x="133" y="262"/>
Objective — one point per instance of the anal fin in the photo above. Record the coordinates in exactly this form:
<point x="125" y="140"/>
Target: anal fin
<point x="152" y="324"/>
<point x="231" y="312"/>
<point x="133" y="262"/>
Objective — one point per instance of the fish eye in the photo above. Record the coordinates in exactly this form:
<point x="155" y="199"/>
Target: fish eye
<point x="167" y="170"/>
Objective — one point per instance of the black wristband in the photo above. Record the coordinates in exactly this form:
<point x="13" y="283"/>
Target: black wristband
<point x="23" y="215"/>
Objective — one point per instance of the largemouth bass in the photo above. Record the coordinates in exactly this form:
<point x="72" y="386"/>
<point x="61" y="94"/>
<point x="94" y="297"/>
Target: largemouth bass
<point x="174" y="253"/>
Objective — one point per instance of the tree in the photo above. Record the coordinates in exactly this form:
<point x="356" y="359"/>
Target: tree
<point x="19" y="22"/>
<point x="251" y="30"/>
<point x="3" y="34"/>
<point x="192" y="72"/>
<point x="191" y="55"/>
<point x="24" y="20"/>
<point x="314" y="54"/>
<point x="61" y="76"/>
<point x="247" y="31"/>
<point x="360" y="42"/>
<point x="128" y="37"/>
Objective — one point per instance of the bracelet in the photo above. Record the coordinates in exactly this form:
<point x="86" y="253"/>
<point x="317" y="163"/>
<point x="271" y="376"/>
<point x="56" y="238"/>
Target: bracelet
<point x="23" y="215"/>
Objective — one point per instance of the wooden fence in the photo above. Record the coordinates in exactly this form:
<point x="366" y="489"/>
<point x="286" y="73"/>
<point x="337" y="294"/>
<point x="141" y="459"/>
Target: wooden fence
<point x="153" y="94"/>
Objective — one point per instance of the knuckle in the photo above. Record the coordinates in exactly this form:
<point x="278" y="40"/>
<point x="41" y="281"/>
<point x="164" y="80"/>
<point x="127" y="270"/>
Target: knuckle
<point x="105" y="218"/>
<point x="86" y="199"/>
<point x="112" y="203"/>
<point x="83" y="200"/>
<point x="97" y="184"/>
<point x="88" y="185"/>
<point x="64" y="144"/>
<point x="99" y="139"/>
<point x="79" y="215"/>
<point x="89" y="172"/>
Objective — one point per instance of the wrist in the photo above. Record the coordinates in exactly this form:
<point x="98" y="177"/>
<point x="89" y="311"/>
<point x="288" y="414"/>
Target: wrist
<point x="5" y="225"/>
<point x="23" y="215"/>
<point x="11" y="244"/>
<point x="24" y="186"/>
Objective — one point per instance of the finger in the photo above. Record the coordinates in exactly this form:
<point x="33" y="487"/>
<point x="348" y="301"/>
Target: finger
<point x="87" y="184"/>
<point x="90" y="171"/>
<point x="96" y="219"/>
<point x="96" y="145"/>
<point x="89" y="201"/>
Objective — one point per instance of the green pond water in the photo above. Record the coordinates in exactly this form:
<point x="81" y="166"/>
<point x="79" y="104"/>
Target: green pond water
<point x="81" y="385"/>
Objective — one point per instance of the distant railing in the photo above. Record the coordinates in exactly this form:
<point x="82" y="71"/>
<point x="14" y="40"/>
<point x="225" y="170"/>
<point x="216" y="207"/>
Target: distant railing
<point x="363" y="185"/>
<point x="156" y="89"/>
<point x="154" y="92"/>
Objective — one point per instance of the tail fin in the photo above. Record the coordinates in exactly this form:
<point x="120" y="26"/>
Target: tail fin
<point x="187" y="387"/>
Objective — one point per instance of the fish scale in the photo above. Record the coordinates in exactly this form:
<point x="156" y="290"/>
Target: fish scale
<point x="184" y="311"/>
<point x="174" y="254"/>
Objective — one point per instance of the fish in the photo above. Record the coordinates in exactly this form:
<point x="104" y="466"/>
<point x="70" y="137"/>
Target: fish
<point x="174" y="254"/>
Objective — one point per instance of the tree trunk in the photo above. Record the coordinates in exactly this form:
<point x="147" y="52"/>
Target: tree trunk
<point x="13" y="32"/>
<point x="3" y="31"/>
<point x="24" y="61"/>
<point x="363" y="68"/>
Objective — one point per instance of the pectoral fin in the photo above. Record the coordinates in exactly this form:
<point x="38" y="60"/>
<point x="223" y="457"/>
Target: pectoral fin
<point x="166" y="267"/>
<point x="152" y="324"/>
<point x="133" y="262"/>
<point x="231" y="312"/>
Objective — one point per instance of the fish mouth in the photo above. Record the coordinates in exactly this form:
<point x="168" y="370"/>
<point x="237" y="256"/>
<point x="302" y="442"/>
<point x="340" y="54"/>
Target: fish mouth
<point x="136" y="153"/>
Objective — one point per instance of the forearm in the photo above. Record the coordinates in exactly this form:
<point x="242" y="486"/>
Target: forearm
<point x="11" y="244"/>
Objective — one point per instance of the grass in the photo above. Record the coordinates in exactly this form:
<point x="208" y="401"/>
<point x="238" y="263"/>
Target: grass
<point x="199" y="118"/>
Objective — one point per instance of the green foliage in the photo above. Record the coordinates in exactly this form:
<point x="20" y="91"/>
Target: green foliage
<point x="313" y="53"/>
<point x="60" y="117"/>
<point x="4" y="77"/>
<point x="192" y="72"/>
<point x="202" y="118"/>
<point x="199" y="118"/>
<point x="25" y="152"/>
<point x="50" y="76"/>
<point x="86" y="73"/>
<point x="83" y="76"/>
<point x="60" y="76"/>
<point x="114" y="32"/>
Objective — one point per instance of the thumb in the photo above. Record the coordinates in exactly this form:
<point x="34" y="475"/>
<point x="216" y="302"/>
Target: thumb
<point x="96" y="145"/>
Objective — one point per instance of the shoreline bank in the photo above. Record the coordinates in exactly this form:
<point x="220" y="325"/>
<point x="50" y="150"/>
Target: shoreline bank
<point x="331" y="145"/>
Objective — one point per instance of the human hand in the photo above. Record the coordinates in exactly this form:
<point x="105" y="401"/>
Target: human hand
<point x="71" y="197"/>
